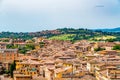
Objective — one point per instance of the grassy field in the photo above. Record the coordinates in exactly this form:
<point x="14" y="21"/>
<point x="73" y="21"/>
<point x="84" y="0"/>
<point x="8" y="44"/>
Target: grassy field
<point x="63" y="37"/>
<point x="103" y="38"/>
<point x="72" y="36"/>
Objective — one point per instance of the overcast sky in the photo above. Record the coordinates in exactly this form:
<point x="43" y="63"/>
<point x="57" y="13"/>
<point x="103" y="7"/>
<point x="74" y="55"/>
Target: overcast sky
<point x="37" y="15"/>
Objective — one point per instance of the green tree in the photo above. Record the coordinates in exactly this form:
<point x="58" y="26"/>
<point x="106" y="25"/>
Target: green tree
<point x="6" y="40"/>
<point x="8" y="46"/>
<point x="41" y="44"/>
<point x="30" y="46"/>
<point x="12" y="68"/>
<point x="22" y="50"/>
<point x="26" y="48"/>
<point x="116" y="47"/>
<point x="99" y="49"/>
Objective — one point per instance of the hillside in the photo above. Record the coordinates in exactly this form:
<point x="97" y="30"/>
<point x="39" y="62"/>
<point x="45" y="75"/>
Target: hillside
<point x="15" y="35"/>
<point x="67" y="34"/>
<point x="79" y="34"/>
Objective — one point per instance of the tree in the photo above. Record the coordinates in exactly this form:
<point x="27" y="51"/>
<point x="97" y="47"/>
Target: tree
<point x="41" y="44"/>
<point x="116" y="47"/>
<point x="11" y="46"/>
<point x="22" y="50"/>
<point x="99" y="49"/>
<point x="8" y="46"/>
<point x="28" y="47"/>
<point x="12" y="68"/>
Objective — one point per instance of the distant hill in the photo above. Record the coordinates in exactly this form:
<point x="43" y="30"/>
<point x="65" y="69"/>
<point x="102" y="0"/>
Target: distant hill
<point x="80" y="34"/>
<point x="110" y="30"/>
<point x="69" y="34"/>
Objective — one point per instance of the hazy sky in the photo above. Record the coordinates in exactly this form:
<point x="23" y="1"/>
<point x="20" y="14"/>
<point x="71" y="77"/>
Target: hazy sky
<point x="37" y="15"/>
